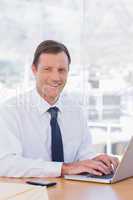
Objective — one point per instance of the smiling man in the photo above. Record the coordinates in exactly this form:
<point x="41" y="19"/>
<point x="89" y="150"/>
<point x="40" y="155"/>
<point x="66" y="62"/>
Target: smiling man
<point x="51" y="71"/>
<point x="44" y="132"/>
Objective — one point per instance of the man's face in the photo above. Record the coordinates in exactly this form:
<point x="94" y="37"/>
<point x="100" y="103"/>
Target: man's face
<point x="51" y="75"/>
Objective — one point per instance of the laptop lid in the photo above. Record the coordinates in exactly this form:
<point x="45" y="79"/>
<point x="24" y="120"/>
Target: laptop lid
<point x="124" y="170"/>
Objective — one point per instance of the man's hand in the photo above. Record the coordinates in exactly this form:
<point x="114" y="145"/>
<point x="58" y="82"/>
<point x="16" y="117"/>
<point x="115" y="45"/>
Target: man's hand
<point x="101" y="164"/>
<point x="95" y="166"/>
<point x="110" y="161"/>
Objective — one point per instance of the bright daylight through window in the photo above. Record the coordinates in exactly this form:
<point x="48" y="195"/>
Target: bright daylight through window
<point x="99" y="36"/>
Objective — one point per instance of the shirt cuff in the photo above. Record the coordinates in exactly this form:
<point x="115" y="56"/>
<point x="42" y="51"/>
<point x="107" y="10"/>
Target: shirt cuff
<point x="54" y="169"/>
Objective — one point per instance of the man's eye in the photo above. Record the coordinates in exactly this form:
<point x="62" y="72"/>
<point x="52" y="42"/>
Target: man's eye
<point x="46" y="69"/>
<point x="61" y="70"/>
<point x="43" y="70"/>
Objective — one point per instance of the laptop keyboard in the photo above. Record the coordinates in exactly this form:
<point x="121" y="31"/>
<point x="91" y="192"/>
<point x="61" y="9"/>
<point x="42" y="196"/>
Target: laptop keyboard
<point x="108" y="176"/>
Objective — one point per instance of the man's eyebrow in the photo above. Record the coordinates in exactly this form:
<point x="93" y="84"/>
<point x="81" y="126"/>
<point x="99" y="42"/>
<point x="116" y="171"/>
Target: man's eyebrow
<point x="50" y="66"/>
<point x="45" y="66"/>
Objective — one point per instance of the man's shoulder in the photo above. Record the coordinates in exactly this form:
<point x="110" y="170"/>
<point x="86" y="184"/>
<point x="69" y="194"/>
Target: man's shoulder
<point x="74" y="107"/>
<point x="72" y="101"/>
<point x="73" y="98"/>
<point x="16" y="102"/>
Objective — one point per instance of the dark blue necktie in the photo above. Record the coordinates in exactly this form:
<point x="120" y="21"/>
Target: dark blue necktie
<point x="56" y="138"/>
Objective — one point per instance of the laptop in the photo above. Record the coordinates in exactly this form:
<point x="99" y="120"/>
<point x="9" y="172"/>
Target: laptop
<point x="123" y="171"/>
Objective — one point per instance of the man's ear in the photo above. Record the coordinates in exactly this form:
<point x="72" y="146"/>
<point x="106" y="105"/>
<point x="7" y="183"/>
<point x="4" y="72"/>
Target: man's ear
<point x="34" y="69"/>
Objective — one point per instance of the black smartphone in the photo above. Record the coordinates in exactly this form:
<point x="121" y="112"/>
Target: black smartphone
<point x="41" y="183"/>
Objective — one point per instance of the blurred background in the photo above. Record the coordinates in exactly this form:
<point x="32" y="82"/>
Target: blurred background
<point x="99" y="35"/>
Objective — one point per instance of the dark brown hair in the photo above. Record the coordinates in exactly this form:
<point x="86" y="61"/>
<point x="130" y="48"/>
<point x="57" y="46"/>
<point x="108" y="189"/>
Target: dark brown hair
<point x="50" y="46"/>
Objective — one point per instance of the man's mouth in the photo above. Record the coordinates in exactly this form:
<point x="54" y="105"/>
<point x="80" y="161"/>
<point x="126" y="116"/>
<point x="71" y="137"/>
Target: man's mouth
<point x="54" y="86"/>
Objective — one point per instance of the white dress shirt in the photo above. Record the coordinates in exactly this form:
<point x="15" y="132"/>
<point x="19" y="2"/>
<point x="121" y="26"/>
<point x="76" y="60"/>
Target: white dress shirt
<point x="25" y="135"/>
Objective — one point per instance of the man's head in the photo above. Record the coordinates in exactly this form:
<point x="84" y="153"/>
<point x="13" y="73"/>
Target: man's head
<point x="50" y="67"/>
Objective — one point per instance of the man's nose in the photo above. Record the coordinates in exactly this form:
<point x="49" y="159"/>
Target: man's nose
<point x="55" y="76"/>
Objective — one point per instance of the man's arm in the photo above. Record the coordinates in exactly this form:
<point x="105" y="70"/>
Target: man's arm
<point x="13" y="164"/>
<point x="12" y="161"/>
<point x="86" y="161"/>
<point x="18" y="166"/>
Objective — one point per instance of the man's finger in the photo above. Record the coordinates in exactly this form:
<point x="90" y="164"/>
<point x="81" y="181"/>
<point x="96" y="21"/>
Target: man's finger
<point x="103" y="168"/>
<point x="99" y="166"/>
<point x="104" y="159"/>
<point x="107" y="162"/>
<point x="115" y="162"/>
<point x="110" y="161"/>
<point x="95" y="172"/>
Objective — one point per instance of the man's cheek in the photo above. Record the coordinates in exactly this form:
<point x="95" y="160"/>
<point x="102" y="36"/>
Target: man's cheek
<point x="45" y="89"/>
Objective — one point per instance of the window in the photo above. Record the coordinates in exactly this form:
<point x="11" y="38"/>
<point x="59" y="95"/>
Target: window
<point x="99" y="36"/>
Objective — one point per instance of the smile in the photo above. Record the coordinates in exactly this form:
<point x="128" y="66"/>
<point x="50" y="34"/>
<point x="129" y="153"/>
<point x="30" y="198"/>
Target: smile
<point x="54" y="86"/>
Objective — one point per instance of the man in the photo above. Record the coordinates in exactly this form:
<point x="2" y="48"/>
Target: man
<point x="44" y="133"/>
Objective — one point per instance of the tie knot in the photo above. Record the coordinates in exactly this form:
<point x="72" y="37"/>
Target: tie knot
<point x="53" y="112"/>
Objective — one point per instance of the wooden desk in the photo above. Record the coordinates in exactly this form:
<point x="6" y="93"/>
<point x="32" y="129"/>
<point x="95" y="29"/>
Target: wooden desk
<point x="77" y="190"/>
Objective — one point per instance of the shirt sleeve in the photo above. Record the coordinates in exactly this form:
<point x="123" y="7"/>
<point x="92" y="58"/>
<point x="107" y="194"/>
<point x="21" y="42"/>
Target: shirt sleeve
<point x="12" y="162"/>
<point x="86" y="149"/>
<point x="18" y="166"/>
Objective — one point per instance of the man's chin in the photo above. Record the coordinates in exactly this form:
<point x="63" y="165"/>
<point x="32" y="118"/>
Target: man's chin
<point x="51" y="99"/>
<point x="51" y="96"/>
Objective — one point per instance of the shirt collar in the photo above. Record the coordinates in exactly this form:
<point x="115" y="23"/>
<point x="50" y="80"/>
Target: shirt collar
<point x="42" y="105"/>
